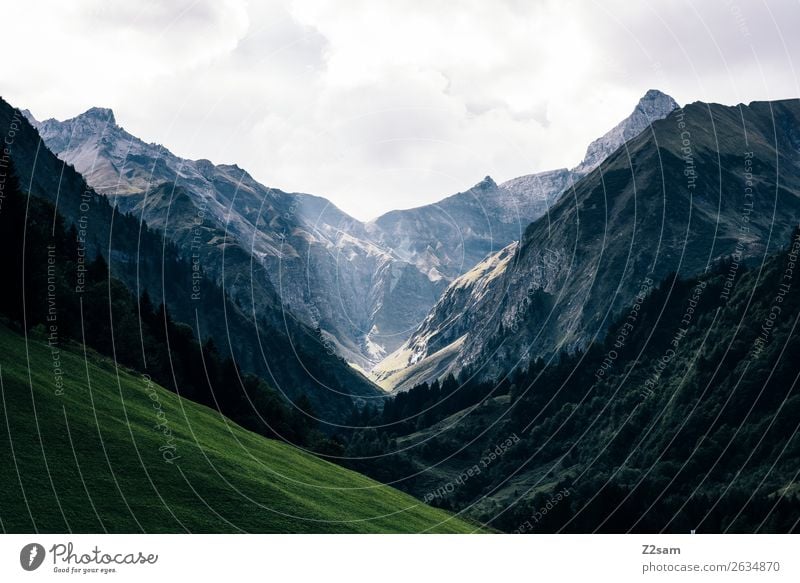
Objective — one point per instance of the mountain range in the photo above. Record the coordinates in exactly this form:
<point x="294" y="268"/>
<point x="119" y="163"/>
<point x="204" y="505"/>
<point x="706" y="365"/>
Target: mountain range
<point x="683" y="418"/>
<point x="635" y="336"/>
<point x="706" y="183"/>
<point x="260" y="335"/>
<point x="366" y="287"/>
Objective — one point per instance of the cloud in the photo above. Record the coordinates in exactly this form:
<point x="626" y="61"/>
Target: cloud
<point x="59" y="45"/>
<point x="387" y="105"/>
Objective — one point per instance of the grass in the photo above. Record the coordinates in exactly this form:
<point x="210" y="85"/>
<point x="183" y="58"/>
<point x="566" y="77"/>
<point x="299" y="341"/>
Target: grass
<point x="96" y="458"/>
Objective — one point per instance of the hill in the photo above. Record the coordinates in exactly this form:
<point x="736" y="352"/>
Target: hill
<point x="89" y="447"/>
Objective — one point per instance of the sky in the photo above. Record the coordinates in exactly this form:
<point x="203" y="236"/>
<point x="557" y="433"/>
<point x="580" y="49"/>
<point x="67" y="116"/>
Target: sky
<point x="379" y="105"/>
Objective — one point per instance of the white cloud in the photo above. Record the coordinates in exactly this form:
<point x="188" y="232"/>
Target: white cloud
<point x="381" y="105"/>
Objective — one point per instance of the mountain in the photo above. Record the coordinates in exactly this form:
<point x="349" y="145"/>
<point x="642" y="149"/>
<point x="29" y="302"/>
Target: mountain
<point x="451" y="236"/>
<point x="654" y="105"/>
<point x="114" y="452"/>
<point x="256" y="240"/>
<point x="262" y="338"/>
<point x="684" y="418"/>
<point x="430" y="352"/>
<point x="365" y="287"/>
<point x="705" y="183"/>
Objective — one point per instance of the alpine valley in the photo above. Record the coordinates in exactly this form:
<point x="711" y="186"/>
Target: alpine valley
<point x="365" y="286"/>
<point x="529" y="356"/>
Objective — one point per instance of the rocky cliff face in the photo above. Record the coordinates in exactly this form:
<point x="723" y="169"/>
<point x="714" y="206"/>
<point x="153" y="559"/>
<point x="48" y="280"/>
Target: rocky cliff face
<point x="458" y="316"/>
<point x="449" y="237"/>
<point x="707" y="182"/>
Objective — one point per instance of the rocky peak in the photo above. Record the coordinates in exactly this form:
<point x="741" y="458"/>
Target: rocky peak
<point x="93" y="127"/>
<point x="653" y="105"/>
<point x="657" y="102"/>
<point x="487" y="183"/>
<point x="206" y="168"/>
<point x="98" y="115"/>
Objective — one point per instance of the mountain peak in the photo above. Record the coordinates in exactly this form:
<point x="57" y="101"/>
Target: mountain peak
<point x="99" y="114"/>
<point x="654" y="105"/>
<point x="487" y="183"/>
<point x="654" y="95"/>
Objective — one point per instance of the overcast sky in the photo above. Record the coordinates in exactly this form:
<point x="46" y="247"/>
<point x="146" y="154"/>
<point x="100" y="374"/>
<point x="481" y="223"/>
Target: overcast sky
<point x="388" y="104"/>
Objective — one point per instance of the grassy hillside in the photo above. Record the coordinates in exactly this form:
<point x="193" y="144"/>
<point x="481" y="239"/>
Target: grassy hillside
<point x="102" y="449"/>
